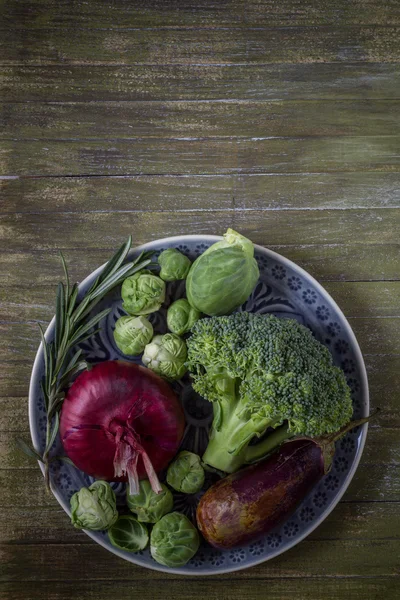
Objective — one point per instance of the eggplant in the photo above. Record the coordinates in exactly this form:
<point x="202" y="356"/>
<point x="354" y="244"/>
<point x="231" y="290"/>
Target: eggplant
<point x="248" y="504"/>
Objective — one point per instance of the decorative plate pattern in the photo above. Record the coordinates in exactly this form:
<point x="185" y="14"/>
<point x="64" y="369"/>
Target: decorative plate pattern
<point x="284" y="290"/>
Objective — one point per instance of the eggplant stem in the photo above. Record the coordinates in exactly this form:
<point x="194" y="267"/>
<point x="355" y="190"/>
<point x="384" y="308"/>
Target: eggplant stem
<point x="334" y="437"/>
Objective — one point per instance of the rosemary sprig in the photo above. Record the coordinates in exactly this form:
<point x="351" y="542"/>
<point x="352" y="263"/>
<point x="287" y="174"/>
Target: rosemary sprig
<point x="72" y="328"/>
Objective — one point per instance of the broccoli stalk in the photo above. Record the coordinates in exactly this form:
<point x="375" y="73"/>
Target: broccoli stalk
<point x="261" y="372"/>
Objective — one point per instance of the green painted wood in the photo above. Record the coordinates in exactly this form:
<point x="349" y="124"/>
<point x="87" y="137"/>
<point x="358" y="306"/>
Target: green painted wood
<point x="34" y="14"/>
<point x="382" y="447"/>
<point x="200" y="119"/>
<point x="383" y="374"/>
<point x="356" y="299"/>
<point x="68" y="562"/>
<point x="308" y="81"/>
<point x="203" y="46"/>
<point x="91" y="229"/>
<point x="19" y="340"/>
<point x="349" y="520"/>
<point x="25" y="487"/>
<point x="321" y="155"/>
<point x="326" y="262"/>
<point x="280" y="589"/>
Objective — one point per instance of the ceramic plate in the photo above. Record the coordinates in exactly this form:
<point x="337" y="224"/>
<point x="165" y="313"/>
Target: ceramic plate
<point x="285" y="290"/>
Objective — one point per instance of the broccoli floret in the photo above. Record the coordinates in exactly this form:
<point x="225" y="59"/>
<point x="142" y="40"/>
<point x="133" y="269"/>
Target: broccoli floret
<point x="261" y="372"/>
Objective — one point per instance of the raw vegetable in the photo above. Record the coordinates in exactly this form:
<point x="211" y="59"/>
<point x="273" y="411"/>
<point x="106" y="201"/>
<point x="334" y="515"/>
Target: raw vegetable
<point x="94" y="507"/>
<point x="174" y="540"/>
<point x="245" y="505"/>
<point x="143" y="293"/>
<point x="186" y="474"/>
<point x="73" y="325"/>
<point x="223" y="277"/>
<point x="131" y="334"/>
<point x="174" y="265"/>
<point x="128" y="534"/>
<point x="260" y="371"/>
<point x="166" y="355"/>
<point x="149" y="506"/>
<point x="181" y="316"/>
<point x="121" y="422"/>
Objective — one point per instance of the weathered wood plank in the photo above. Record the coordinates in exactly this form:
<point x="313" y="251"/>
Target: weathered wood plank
<point x="201" y="119"/>
<point x="356" y="299"/>
<point x="92" y="229"/>
<point x="383" y="374"/>
<point x="349" y="520"/>
<point x="35" y="14"/>
<point x="203" y="46"/>
<point x="341" y="558"/>
<point x="382" y="447"/>
<point x="326" y="262"/>
<point x="192" y="82"/>
<point x="358" y="155"/>
<point x="371" y="483"/>
<point x="213" y="589"/>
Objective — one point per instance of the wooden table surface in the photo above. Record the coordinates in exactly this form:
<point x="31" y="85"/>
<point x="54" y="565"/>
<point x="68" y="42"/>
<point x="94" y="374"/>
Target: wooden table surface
<point x="280" y="119"/>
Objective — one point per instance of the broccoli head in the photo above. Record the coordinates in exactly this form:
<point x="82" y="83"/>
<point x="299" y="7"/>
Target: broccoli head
<point x="263" y="372"/>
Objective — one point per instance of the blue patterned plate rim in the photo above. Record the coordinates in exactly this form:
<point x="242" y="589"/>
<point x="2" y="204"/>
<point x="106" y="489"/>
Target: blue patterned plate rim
<point x="175" y="240"/>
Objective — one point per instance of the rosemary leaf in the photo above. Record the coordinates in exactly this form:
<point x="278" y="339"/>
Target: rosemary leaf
<point x="116" y="261"/>
<point x="72" y="298"/>
<point x="53" y="432"/>
<point x="73" y="361"/>
<point x="60" y="315"/>
<point x="88" y="326"/>
<point x="22" y="445"/>
<point x="64" y="264"/>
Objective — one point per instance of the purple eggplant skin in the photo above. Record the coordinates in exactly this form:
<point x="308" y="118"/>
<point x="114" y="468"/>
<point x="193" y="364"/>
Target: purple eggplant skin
<point x="249" y="503"/>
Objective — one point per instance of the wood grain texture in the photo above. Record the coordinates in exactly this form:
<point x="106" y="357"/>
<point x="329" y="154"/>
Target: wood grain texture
<point x="283" y="589"/>
<point x="381" y="449"/>
<point x="32" y="14"/>
<point x="162" y="117"/>
<point x="326" y="262"/>
<point x="240" y="118"/>
<point x="304" y="81"/>
<point x="94" y="229"/>
<point x="74" y="561"/>
<point x="309" y="156"/>
<point x="356" y="299"/>
<point x="349" y="520"/>
<point x="218" y="46"/>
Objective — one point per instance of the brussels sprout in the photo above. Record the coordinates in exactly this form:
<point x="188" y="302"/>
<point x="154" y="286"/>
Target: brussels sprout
<point x="94" y="507"/>
<point x="223" y="277"/>
<point x="174" y="265"/>
<point x="186" y="474"/>
<point x="174" y="540"/>
<point x="166" y="355"/>
<point x="181" y="316"/>
<point x="131" y="334"/>
<point x="128" y="534"/>
<point x="149" y="506"/>
<point x="142" y="293"/>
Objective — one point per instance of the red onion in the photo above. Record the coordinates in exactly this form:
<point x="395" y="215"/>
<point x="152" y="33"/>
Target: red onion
<point x="120" y="422"/>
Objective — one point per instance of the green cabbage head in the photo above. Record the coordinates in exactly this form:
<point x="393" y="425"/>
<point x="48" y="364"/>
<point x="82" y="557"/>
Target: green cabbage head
<point x="166" y="355"/>
<point x="174" y="265"/>
<point x="142" y="293"/>
<point x="94" y="507"/>
<point x="181" y="316"/>
<point x="149" y="506"/>
<point x="131" y="334"/>
<point x="186" y="473"/>
<point x="223" y="277"/>
<point x="174" y="540"/>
